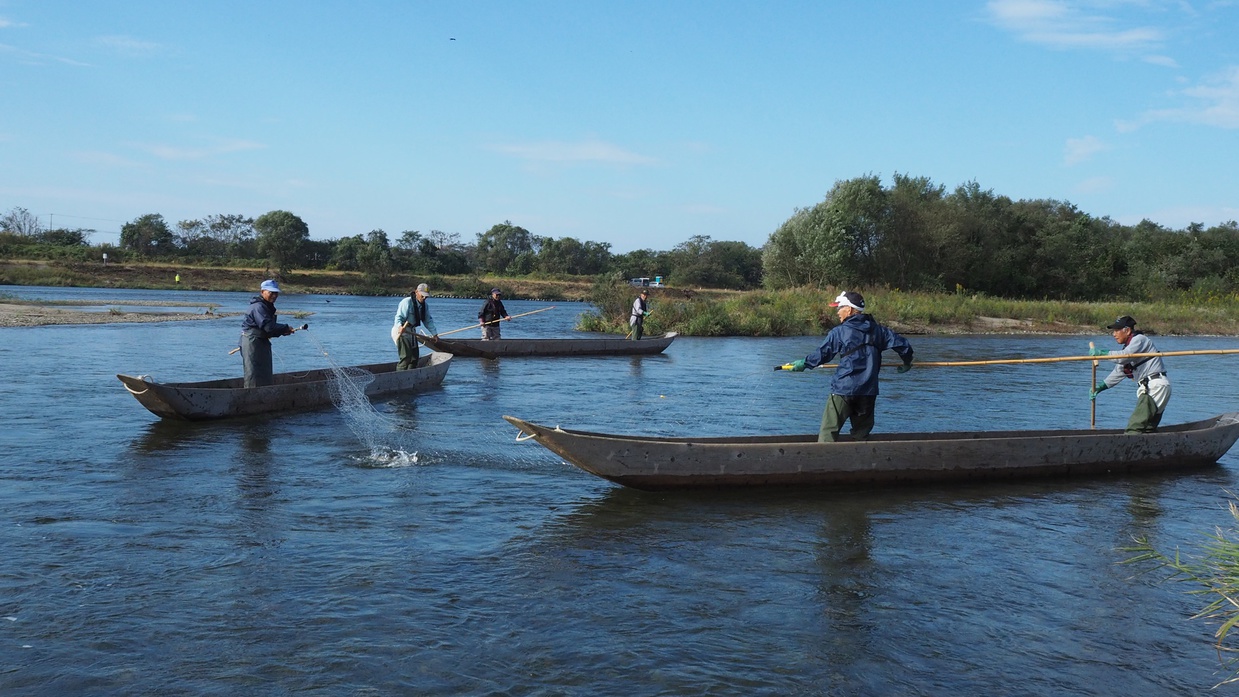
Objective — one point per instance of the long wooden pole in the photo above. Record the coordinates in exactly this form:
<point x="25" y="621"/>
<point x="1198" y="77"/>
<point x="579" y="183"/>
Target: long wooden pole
<point x="1092" y="417"/>
<point x="1058" y="359"/>
<point x="475" y="326"/>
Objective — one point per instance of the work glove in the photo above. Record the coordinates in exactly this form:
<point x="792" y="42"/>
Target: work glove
<point x="1100" y="387"/>
<point x="1098" y="352"/>
<point x="907" y="365"/>
<point x="797" y="366"/>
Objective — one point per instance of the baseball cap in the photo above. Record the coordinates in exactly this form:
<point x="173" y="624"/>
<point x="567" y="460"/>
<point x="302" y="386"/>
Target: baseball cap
<point x="849" y="299"/>
<point x="1121" y="322"/>
<point x="423" y="288"/>
<point x="270" y="285"/>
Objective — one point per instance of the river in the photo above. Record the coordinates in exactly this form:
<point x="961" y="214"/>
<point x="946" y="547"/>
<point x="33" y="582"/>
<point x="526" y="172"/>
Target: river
<point x="282" y="556"/>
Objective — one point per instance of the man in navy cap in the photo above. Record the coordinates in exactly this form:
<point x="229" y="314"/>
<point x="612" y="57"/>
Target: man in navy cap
<point x="257" y="330"/>
<point x="1153" y="385"/>
<point x="858" y="341"/>
<point x="491" y="313"/>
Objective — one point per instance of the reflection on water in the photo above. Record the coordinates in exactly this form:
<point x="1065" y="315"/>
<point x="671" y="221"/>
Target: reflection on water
<point x="277" y="555"/>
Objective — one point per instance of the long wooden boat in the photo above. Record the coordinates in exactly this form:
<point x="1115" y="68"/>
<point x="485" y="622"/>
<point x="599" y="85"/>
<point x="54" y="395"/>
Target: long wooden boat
<point x="656" y="463"/>
<point x="611" y="346"/>
<point x="222" y="399"/>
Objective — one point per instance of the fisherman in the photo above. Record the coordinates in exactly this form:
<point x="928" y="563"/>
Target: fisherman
<point x="640" y="310"/>
<point x="411" y="314"/>
<point x="1152" y="383"/>
<point x="858" y="341"/>
<point x="491" y="313"/>
<point x="257" y="330"/>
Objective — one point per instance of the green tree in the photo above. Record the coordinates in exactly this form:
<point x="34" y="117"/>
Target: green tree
<point x="374" y="257"/>
<point x="280" y="237"/>
<point x="498" y="247"/>
<point x="20" y="221"/>
<point x="148" y="235"/>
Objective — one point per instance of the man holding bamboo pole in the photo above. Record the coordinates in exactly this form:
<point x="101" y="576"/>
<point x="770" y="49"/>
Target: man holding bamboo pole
<point x="1153" y="386"/>
<point x="411" y="314"/>
<point x="858" y="341"/>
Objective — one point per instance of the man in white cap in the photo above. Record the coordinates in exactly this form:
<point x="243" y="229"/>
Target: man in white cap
<point x="257" y="329"/>
<point x="858" y="341"/>
<point x="1149" y="372"/>
<point x="640" y="310"/>
<point x="411" y="314"/>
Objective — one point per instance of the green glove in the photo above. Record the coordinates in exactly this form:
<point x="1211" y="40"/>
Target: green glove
<point x="798" y="366"/>
<point x="1101" y="387"/>
<point x="907" y="365"/>
<point x="1098" y="352"/>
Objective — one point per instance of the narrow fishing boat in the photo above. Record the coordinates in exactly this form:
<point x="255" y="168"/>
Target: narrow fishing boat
<point x="228" y="398"/>
<point x="656" y="463"/>
<point x="611" y="346"/>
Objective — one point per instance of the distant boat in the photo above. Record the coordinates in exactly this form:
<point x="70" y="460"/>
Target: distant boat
<point x="301" y="391"/>
<point x="655" y="463"/>
<point x="496" y="348"/>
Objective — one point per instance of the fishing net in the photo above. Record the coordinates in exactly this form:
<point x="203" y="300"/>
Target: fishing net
<point x="378" y="432"/>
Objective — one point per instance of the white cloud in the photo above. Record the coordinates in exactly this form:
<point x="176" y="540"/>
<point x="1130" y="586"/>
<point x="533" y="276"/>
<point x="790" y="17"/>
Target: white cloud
<point x="1215" y="102"/>
<point x="128" y="46"/>
<point x="32" y="58"/>
<point x="221" y="147"/>
<point x="6" y="23"/>
<point x="1095" y="185"/>
<point x="96" y="157"/>
<point x="1166" y="61"/>
<point x="587" y="151"/>
<point x="1080" y="149"/>
<point x="1066" y="25"/>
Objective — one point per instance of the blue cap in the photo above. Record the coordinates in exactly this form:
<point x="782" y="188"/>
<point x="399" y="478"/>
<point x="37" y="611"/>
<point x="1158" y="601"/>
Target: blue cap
<point x="270" y="285"/>
<point x="495" y="290"/>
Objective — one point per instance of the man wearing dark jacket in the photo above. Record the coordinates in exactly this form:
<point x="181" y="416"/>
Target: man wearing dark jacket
<point x="491" y="313"/>
<point x="257" y="330"/>
<point x="858" y="341"/>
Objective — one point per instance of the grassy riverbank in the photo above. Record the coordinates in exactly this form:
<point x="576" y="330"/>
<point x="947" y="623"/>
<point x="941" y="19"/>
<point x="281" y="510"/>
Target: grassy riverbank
<point x="692" y="312"/>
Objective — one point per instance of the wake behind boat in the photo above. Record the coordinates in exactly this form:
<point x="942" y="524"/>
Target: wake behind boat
<point x="228" y="398"/>
<point x="656" y="463"/>
<point x="610" y="346"/>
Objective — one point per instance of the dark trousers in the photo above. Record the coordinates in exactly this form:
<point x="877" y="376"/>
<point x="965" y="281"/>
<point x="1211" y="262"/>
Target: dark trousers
<point x="638" y="326"/>
<point x="841" y="408"/>
<point x="256" y="356"/>
<point x="407" y="347"/>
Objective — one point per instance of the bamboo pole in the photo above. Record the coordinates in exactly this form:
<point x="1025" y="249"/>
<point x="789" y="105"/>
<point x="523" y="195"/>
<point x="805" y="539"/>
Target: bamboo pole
<point x="1092" y="417"/>
<point x="475" y="326"/>
<point x="1057" y="359"/>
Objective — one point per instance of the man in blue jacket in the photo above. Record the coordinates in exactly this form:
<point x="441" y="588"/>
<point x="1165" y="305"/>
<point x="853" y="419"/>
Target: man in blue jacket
<point x="858" y="341"/>
<point x="257" y="330"/>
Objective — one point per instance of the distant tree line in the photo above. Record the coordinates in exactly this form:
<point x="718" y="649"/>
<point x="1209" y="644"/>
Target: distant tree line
<point x="913" y="235"/>
<point x="280" y="240"/>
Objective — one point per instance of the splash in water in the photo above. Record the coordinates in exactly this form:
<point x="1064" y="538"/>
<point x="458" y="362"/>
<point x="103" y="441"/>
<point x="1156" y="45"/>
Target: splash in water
<point x="376" y="431"/>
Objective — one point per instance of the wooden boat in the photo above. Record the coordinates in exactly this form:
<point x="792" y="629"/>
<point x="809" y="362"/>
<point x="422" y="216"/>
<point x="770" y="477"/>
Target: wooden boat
<point x="655" y="463"/>
<point x="222" y="399"/>
<point x="612" y="346"/>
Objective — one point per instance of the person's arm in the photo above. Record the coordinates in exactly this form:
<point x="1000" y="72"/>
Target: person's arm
<point x="269" y="325"/>
<point x="825" y="352"/>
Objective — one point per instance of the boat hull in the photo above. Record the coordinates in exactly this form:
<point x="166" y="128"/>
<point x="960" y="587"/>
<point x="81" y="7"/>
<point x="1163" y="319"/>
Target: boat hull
<point x="478" y="348"/>
<point x="291" y="392"/>
<point x="679" y="463"/>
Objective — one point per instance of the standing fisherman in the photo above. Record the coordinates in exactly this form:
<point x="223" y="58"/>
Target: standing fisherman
<point x="257" y="330"/>
<point x="1153" y="390"/>
<point x="640" y="310"/>
<point x="858" y="341"/>
<point x="410" y="314"/>
<point x="491" y="313"/>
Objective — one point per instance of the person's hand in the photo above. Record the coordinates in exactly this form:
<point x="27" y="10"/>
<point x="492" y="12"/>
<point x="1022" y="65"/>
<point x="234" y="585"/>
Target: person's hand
<point x="435" y="337"/>
<point x="508" y="319"/>
<point x="1098" y="352"/>
<point x="1098" y="389"/>
<point x="907" y="365"/>
<point x="797" y="366"/>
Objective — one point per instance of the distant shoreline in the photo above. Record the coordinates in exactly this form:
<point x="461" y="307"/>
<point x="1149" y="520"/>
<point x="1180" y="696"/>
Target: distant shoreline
<point x="42" y="314"/>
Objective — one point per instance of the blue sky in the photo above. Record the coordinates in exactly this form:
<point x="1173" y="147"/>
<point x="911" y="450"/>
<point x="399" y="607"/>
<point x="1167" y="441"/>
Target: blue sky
<point x="639" y="124"/>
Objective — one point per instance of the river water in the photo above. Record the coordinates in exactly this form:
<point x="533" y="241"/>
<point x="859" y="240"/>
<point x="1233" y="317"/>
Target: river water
<point x="280" y="556"/>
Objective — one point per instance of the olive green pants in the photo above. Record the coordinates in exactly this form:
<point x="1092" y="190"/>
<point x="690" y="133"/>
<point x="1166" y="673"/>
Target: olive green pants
<point x="407" y="348"/>
<point x="1146" y="417"/>
<point x="840" y="408"/>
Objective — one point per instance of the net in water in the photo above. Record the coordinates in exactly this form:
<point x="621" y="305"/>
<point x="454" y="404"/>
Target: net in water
<point x="376" y="431"/>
